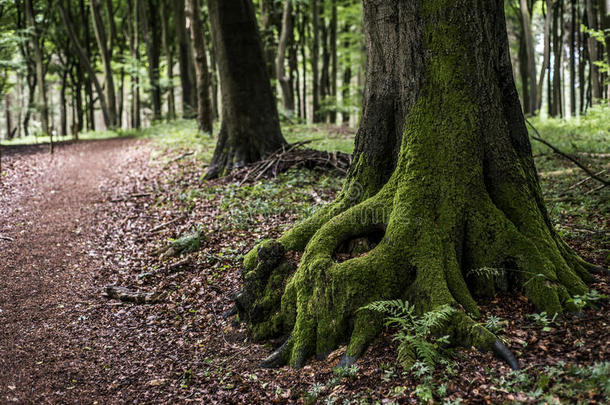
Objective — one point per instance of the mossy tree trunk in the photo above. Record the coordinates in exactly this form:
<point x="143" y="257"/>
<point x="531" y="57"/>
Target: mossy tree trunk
<point x="443" y="184"/>
<point x="250" y="126"/>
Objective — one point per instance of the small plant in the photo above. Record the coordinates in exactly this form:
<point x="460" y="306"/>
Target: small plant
<point x="347" y="371"/>
<point x="313" y="393"/>
<point x="416" y="334"/>
<point x="495" y="325"/>
<point x="542" y="319"/>
<point x="187" y="243"/>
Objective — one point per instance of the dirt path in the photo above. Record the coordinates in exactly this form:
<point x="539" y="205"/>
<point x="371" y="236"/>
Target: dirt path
<point x="47" y="267"/>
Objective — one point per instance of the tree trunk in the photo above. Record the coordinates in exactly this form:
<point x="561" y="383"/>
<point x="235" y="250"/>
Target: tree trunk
<point x="40" y="70"/>
<point x="572" y="61"/>
<point x="442" y="186"/>
<point x="315" y="57"/>
<point x="188" y="97"/>
<point x="604" y="9"/>
<point x="204" y="104"/>
<point x="7" y="112"/>
<point x="546" y="53"/>
<point x="150" y="29"/>
<point x="528" y="37"/>
<point x="87" y="65"/>
<point x="250" y="126"/>
<point x="268" y="23"/>
<point x="285" y="35"/>
<point x="106" y="54"/>
<point x="169" y="54"/>
<point x="333" y="60"/>
<point x="593" y="54"/>
<point x="556" y="109"/>
<point x="63" y="115"/>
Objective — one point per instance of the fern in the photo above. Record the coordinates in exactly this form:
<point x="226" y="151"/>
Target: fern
<point x="416" y="335"/>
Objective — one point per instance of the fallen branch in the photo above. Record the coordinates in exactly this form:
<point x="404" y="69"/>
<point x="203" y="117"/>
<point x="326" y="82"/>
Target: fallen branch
<point x="567" y="156"/>
<point x="585" y="180"/>
<point x="6" y="238"/>
<point x="166" y="224"/>
<point x="127" y="295"/>
<point x="179" y="158"/>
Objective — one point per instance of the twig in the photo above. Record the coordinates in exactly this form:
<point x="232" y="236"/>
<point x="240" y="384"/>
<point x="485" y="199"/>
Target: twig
<point x="180" y="157"/>
<point x="567" y="156"/>
<point x="585" y="180"/>
<point x="6" y="238"/>
<point x="166" y="224"/>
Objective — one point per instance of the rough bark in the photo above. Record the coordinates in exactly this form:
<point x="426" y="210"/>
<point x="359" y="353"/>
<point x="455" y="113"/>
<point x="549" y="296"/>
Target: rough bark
<point x="443" y="186"/>
<point x="250" y="125"/>
<point x="204" y="104"/>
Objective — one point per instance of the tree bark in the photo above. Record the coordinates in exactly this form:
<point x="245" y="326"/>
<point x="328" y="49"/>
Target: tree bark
<point x="250" y="126"/>
<point x="204" y="104"/>
<point x="285" y="82"/>
<point x="572" y="61"/>
<point x="63" y="115"/>
<point x="442" y="185"/>
<point x="333" y="60"/>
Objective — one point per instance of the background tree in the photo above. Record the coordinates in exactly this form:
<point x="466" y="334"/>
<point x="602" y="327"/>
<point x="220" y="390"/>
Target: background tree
<point x="250" y="126"/>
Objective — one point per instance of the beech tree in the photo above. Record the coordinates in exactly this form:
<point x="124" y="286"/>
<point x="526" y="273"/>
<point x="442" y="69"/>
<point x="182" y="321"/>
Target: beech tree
<point x="250" y="126"/>
<point x="442" y="189"/>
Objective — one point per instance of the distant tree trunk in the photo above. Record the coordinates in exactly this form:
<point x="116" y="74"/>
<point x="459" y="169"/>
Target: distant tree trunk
<point x="303" y="31"/>
<point x="593" y="54"/>
<point x="63" y="120"/>
<point x="582" y="56"/>
<point x="531" y="55"/>
<point x="546" y="53"/>
<point x="557" y="54"/>
<point x="204" y="105"/>
<point x="31" y="85"/>
<point x="285" y="35"/>
<point x="188" y="104"/>
<point x="250" y="126"/>
<point x="40" y="70"/>
<point x="7" y="113"/>
<point x="268" y="23"/>
<point x="106" y="54"/>
<point x="136" y="119"/>
<point x="169" y="53"/>
<point x="315" y="60"/>
<point x="333" y="60"/>
<point x="605" y="26"/>
<point x="572" y="61"/>
<point x="214" y="83"/>
<point x="150" y="29"/>
<point x="86" y="64"/>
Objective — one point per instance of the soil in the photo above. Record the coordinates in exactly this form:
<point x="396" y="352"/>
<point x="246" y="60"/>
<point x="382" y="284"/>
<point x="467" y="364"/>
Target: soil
<point x="97" y="213"/>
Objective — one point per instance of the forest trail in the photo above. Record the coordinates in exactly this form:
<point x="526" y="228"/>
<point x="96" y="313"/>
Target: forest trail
<point x="47" y="270"/>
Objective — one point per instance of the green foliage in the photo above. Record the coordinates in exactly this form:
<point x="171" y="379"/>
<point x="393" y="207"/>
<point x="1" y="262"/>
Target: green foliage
<point x="416" y="335"/>
<point x="495" y="325"/>
<point x="187" y="243"/>
<point x="542" y="319"/>
<point x="587" y="300"/>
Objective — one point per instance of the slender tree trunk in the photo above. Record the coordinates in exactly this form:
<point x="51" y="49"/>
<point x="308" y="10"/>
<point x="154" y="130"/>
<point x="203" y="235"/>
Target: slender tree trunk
<point x="284" y="79"/>
<point x="582" y="56"/>
<point x="106" y="54"/>
<point x="546" y="53"/>
<point x="557" y="54"/>
<point x="604" y="9"/>
<point x="303" y="35"/>
<point x="593" y="54"/>
<point x="169" y="54"/>
<point x="250" y="126"/>
<point x="150" y="30"/>
<point x="40" y="70"/>
<point x="572" y="61"/>
<point x="63" y="119"/>
<point x="188" y="99"/>
<point x="333" y="60"/>
<point x="204" y="105"/>
<point x="7" y="113"/>
<point x="315" y="61"/>
<point x="526" y="22"/>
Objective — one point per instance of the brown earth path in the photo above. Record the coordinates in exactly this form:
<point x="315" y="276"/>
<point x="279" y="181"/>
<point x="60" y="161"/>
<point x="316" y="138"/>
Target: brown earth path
<point x="47" y="265"/>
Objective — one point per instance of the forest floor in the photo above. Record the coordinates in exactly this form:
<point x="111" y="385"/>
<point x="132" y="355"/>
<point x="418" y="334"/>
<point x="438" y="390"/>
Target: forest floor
<point x="99" y="213"/>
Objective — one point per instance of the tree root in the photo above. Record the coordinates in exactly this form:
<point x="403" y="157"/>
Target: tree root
<point x="126" y="295"/>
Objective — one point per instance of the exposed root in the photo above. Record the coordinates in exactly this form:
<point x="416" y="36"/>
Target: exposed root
<point x="134" y="296"/>
<point x="505" y="354"/>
